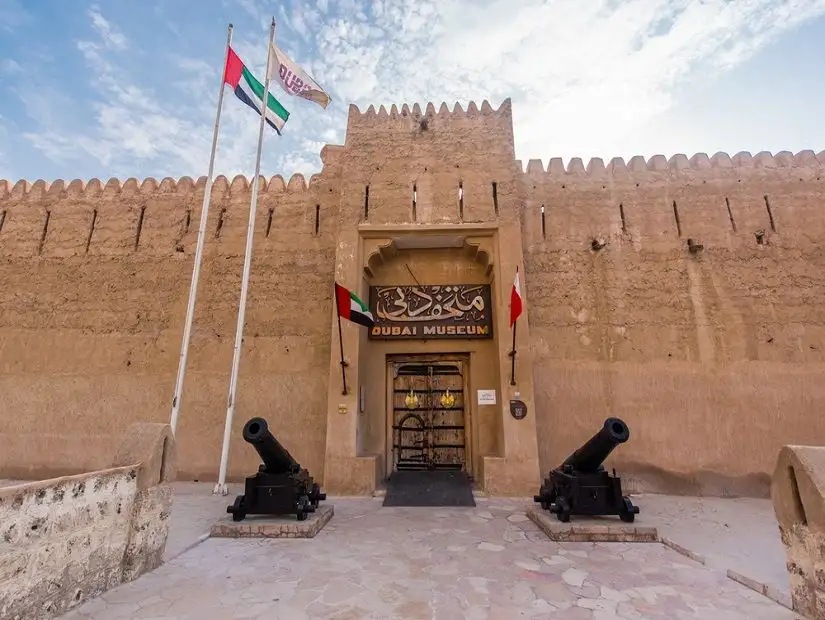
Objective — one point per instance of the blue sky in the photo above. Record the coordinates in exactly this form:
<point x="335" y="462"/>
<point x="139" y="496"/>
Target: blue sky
<point x="129" y="87"/>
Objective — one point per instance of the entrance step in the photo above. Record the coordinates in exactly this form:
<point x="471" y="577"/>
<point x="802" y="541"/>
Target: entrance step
<point x="429" y="488"/>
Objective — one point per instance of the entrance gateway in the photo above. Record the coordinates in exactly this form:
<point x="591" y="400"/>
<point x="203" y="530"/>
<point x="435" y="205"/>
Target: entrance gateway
<point x="429" y="336"/>
<point x="428" y="448"/>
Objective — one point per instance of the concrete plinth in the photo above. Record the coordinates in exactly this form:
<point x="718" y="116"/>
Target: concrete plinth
<point x="591" y="529"/>
<point x="274" y="527"/>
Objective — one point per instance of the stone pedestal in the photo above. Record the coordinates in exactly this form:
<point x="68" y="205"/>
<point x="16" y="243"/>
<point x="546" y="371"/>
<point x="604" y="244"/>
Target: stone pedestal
<point x="591" y="529"/>
<point x="287" y="526"/>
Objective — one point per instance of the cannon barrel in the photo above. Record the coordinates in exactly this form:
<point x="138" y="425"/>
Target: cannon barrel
<point x="275" y="457"/>
<point x="591" y="455"/>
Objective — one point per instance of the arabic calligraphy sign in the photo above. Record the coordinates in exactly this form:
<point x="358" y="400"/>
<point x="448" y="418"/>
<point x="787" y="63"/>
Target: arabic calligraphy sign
<point x="431" y="311"/>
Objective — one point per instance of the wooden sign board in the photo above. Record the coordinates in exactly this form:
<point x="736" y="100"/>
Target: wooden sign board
<point x="431" y="311"/>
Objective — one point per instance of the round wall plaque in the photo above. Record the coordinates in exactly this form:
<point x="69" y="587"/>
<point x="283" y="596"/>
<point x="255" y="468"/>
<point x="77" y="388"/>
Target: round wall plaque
<point x="518" y="409"/>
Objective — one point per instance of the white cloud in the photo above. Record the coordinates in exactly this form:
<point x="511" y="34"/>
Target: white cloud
<point x="10" y="66"/>
<point x="5" y="167"/>
<point x="130" y="124"/>
<point x="110" y="35"/>
<point x="303" y="163"/>
<point x="583" y="76"/>
<point x="12" y="15"/>
<point x="254" y="9"/>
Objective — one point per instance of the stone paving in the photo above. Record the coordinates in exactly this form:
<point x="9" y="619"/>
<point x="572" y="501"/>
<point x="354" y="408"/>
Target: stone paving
<point x="736" y="534"/>
<point x="370" y="562"/>
<point x="194" y="511"/>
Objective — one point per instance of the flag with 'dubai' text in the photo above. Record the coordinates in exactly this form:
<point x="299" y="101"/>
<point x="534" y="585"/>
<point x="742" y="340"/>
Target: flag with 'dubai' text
<point x="295" y="80"/>
<point x="249" y="90"/>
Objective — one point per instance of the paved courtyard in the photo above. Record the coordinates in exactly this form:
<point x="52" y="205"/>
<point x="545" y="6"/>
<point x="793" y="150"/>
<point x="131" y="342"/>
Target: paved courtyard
<point x="371" y="562"/>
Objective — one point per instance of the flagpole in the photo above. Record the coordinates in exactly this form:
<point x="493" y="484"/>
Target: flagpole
<point x="196" y="270"/>
<point x="220" y="487"/>
<point x="514" y="314"/>
<point x="513" y="356"/>
<point x="341" y="344"/>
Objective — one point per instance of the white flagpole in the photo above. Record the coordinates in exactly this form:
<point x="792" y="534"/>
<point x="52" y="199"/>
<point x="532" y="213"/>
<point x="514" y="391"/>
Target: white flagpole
<point x="220" y="487"/>
<point x="196" y="270"/>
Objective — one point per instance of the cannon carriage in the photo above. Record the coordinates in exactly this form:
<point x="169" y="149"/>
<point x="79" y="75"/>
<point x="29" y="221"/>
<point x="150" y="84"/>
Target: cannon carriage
<point x="581" y="486"/>
<point x="281" y="486"/>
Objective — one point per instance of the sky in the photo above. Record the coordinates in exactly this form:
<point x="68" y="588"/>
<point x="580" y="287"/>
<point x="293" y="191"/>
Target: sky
<point x="129" y="88"/>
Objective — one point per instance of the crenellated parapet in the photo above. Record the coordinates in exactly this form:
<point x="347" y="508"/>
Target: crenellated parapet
<point x="659" y="164"/>
<point x="443" y="113"/>
<point x="487" y="123"/>
<point x="160" y="216"/>
<point x="150" y="187"/>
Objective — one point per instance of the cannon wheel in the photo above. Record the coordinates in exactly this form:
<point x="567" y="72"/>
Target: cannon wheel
<point x="238" y="511"/>
<point x="316" y="490"/>
<point x="301" y="512"/>
<point x="548" y="499"/>
<point x="627" y="512"/>
<point x="562" y="509"/>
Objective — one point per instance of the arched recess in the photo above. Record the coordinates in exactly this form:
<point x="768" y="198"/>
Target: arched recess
<point x="429" y="258"/>
<point x="385" y="253"/>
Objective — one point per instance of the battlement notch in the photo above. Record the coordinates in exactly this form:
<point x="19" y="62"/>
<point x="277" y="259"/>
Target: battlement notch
<point x="427" y="118"/>
<point x="678" y="163"/>
<point x="23" y="191"/>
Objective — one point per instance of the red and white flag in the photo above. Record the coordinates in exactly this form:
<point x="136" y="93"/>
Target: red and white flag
<point x="294" y="80"/>
<point x="516" y="305"/>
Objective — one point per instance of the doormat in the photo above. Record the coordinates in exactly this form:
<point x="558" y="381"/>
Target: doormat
<point x="429" y="488"/>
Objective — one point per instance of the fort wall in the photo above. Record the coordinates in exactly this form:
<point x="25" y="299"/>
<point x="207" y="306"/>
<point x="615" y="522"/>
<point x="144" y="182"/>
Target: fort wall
<point x="714" y="356"/>
<point x="96" y="283"/>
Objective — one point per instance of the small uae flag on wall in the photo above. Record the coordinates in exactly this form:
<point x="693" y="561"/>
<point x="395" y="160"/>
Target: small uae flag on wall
<point x="352" y="308"/>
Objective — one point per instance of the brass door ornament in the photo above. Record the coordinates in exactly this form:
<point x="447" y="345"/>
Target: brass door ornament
<point x="411" y="400"/>
<point x="447" y="399"/>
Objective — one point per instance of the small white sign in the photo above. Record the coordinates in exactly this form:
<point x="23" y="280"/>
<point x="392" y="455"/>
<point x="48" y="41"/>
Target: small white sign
<point x="486" y="397"/>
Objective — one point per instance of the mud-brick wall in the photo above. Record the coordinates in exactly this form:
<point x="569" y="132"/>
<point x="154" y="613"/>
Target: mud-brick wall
<point x="429" y="166"/>
<point x="96" y="280"/>
<point x="716" y="357"/>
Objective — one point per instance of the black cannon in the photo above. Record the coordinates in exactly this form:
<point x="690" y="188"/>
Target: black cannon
<point x="281" y="486"/>
<point x="581" y="486"/>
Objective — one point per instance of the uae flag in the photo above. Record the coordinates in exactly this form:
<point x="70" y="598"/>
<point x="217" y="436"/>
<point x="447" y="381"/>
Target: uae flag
<point x="251" y="91"/>
<point x="352" y="308"/>
<point x="516" y="306"/>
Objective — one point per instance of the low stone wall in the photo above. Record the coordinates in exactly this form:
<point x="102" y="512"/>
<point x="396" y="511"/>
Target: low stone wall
<point x="66" y="540"/>
<point x="798" y="493"/>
